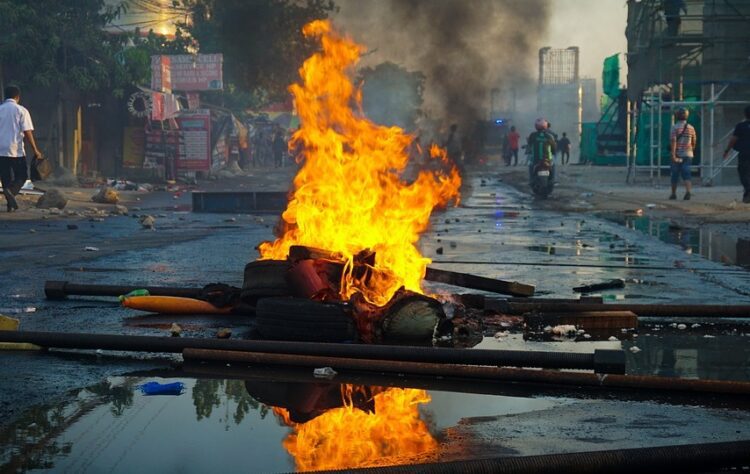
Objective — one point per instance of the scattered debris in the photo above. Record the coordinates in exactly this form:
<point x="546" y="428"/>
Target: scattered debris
<point x="612" y="338"/>
<point x="635" y="349"/>
<point x="175" y="330"/>
<point x="324" y="373"/>
<point x="564" y="330"/>
<point x="52" y="199"/>
<point x="106" y="195"/>
<point x="682" y="326"/>
<point x="91" y="249"/>
<point x="224" y="333"/>
<point x="156" y="388"/>
<point x="148" y="222"/>
<point x="120" y="210"/>
<point x="607" y="285"/>
<point x="502" y="334"/>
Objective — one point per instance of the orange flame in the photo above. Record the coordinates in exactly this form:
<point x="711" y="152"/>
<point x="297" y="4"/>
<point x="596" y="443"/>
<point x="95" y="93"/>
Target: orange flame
<point x="348" y="437"/>
<point x="349" y="194"/>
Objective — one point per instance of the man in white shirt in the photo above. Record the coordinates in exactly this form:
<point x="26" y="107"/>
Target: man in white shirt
<point x="15" y="125"/>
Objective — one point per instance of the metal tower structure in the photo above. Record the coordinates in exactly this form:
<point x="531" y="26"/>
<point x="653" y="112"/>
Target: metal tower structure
<point x="696" y="57"/>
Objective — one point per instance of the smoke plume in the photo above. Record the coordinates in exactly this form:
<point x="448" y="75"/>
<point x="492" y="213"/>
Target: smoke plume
<point x="465" y="48"/>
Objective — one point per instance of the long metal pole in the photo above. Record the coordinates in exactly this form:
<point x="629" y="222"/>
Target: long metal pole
<point x="639" y="382"/>
<point x="659" y="141"/>
<point x="651" y="139"/>
<point x="55" y="290"/>
<point x="643" y="310"/>
<point x="702" y="144"/>
<point x="713" y="124"/>
<point x="671" y="395"/>
<point x="604" y="361"/>
<point x="705" y="457"/>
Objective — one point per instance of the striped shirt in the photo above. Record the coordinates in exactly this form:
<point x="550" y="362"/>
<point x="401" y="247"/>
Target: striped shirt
<point x="684" y="134"/>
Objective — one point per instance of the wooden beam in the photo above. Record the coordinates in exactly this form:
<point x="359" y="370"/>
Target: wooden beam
<point x="475" y="282"/>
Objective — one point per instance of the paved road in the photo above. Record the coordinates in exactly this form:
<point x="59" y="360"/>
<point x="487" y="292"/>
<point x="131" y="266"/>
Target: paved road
<point x="497" y="229"/>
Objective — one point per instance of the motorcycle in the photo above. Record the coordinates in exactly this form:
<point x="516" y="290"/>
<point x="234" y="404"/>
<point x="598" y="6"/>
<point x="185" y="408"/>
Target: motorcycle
<point x="541" y="176"/>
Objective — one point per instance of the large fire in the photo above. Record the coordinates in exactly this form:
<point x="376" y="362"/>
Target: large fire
<point x="350" y="194"/>
<point x="348" y="437"/>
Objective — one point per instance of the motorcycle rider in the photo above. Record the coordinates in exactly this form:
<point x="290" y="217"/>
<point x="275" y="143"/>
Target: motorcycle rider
<point x="542" y="146"/>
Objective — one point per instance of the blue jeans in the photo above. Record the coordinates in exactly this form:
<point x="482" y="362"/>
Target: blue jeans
<point x="680" y="170"/>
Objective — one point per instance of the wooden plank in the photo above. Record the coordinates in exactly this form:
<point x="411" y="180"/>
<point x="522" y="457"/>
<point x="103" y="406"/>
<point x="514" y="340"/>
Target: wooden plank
<point x="475" y="282"/>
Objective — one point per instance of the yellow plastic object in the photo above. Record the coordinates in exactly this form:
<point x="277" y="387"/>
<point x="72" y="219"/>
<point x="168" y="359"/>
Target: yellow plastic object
<point x="19" y="346"/>
<point x="11" y="324"/>
<point x="8" y="324"/>
<point x="172" y="305"/>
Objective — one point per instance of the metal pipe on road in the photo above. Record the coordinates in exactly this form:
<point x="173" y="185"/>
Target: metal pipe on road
<point x="57" y="290"/>
<point x="601" y="360"/>
<point x="720" y="395"/>
<point x="547" y="377"/>
<point x="344" y="363"/>
<point x="642" y="310"/>
<point x="680" y="458"/>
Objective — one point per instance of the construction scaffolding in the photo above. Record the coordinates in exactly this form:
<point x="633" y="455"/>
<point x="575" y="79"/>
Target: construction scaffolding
<point x="696" y="57"/>
<point x="558" y="66"/>
<point x="560" y="91"/>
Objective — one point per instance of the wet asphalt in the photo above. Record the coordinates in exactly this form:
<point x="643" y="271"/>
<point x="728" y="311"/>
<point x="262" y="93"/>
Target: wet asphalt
<point x="496" y="232"/>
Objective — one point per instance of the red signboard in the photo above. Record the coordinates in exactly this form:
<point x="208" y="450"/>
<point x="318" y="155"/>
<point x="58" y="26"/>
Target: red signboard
<point x="187" y="72"/>
<point x="195" y="146"/>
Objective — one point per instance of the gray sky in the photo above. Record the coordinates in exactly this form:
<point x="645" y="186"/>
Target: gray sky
<point x="595" y="26"/>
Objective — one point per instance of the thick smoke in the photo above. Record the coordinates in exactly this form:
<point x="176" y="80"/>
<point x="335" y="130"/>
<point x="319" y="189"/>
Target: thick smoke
<point x="466" y="48"/>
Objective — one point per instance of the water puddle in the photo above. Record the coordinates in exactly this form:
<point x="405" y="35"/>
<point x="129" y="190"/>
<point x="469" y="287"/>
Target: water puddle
<point x="282" y="425"/>
<point x="706" y="242"/>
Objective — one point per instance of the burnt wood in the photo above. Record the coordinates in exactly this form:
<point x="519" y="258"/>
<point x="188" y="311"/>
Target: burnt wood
<point x="475" y="282"/>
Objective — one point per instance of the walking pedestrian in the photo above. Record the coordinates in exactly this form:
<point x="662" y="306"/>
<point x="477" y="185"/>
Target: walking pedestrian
<point x="682" y="144"/>
<point x="740" y="141"/>
<point x="513" y="142"/>
<point x="564" y="146"/>
<point x="15" y="126"/>
<point x="452" y="144"/>
<point x="279" y="147"/>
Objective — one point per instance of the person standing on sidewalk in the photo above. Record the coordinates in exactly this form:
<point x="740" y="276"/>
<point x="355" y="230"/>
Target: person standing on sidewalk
<point x="682" y="144"/>
<point x="514" y="139"/>
<point x="564" y="145"/>
<point x="15" y="125"/>
<point x="740" y="142"/>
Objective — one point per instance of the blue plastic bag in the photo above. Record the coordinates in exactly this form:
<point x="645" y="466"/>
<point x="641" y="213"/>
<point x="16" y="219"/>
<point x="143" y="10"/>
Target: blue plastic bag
<point x="156" y="388"/>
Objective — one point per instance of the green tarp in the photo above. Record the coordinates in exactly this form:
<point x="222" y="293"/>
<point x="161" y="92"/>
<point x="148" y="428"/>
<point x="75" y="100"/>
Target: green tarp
<point x="611" y="76"/>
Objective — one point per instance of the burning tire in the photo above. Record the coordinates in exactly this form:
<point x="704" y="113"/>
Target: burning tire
<point x="264" y="278"/>
<point x="297" y="319"/>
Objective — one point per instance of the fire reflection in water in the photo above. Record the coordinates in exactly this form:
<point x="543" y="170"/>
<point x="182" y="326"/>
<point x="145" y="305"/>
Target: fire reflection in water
<point x="348" y="426"/>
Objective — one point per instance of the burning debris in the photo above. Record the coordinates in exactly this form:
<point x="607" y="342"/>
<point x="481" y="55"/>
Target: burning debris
<point x="350" y="196"/>
<point x="350" y="230"/>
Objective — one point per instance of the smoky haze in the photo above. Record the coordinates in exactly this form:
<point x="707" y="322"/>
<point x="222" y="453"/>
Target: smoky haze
<point x="465" y="48"/>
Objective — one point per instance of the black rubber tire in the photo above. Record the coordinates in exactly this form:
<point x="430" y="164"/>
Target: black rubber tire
<point x="298" y="319"/>
<point x="264" y="278"/>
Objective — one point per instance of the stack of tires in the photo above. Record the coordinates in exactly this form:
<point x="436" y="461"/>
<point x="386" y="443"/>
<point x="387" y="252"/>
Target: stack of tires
<point x="281" y="316"/>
